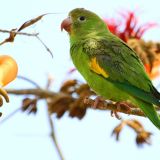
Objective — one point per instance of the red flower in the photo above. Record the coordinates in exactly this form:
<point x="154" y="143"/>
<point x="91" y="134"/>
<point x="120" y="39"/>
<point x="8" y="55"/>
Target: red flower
<point x="127" y="26"/>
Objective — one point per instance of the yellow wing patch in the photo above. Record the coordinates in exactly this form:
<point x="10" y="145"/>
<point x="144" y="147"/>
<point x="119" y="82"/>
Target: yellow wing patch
<point x="96" y="68"/>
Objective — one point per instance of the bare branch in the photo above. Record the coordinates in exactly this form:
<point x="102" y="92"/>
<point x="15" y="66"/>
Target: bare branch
<point x="113" y="107"/>
<point x="37" y="92"/>
<point x="54" y="137"/>
<point x="19" y="33"/>
<point x="48" y="50"/>
<point x="42" y="93"/>
<point x="10" y="115"/>
<point x="13" y="33"/>
<point x="28" y="80"/>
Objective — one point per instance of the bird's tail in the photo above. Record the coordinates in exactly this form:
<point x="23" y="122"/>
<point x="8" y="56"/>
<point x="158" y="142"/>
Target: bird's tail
<point x="149" y="111"/>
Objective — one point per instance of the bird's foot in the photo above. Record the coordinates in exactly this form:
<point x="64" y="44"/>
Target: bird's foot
<point x="121" y="106"/>
<point x="97" y="100"/>
<point x="115" y="114"/>
<point x="124" y="106"/>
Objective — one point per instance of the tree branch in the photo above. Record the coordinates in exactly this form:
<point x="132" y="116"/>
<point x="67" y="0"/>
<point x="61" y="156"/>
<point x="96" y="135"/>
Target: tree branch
<point x="14" y="33"/>
<point x="113" y="107"/>
<point x="20" y="33"/>
<point x="43" y="93"/>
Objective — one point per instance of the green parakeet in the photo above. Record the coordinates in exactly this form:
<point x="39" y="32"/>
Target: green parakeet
<point x="110" y="67"/>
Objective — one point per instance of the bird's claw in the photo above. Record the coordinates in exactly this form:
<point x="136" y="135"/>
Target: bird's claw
<point x="4" y="94"/>
<point x="97" y="100"/>
<point x="114" y="113"/>
<point x="121" y="106"/>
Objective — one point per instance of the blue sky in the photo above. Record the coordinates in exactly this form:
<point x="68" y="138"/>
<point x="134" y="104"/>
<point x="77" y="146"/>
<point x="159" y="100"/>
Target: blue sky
<point x="27" y="137"/>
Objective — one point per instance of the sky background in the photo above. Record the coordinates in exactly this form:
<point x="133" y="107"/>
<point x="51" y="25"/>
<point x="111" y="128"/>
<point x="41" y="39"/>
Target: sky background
<point x="27" y="137"/>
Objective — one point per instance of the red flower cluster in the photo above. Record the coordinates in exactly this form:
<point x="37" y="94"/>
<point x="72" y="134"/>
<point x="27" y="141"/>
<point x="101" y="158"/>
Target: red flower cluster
<point x="127" y="26"/>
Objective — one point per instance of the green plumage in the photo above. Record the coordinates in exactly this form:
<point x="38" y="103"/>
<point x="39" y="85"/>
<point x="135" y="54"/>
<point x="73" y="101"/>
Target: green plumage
<point x="127" y="79"/>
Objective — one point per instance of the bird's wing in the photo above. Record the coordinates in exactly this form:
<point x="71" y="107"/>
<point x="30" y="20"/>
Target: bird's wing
<point x="117" y="62"/>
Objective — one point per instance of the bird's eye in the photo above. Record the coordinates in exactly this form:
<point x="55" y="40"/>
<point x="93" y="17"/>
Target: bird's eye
<point x="81" y="18"/>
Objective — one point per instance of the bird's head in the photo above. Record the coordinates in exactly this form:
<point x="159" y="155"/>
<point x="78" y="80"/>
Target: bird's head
<point x="81" y="23"/>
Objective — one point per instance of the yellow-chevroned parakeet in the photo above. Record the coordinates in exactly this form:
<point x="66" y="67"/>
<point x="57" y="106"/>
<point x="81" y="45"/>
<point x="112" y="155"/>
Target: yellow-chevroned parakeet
<point x="111" y="68"/>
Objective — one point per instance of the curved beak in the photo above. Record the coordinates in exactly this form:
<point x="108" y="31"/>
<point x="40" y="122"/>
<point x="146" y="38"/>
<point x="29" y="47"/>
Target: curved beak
<point x="66" y="24"/>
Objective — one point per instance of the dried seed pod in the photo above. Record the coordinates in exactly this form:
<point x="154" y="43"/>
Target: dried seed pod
<point x="142" y="137"/>
<point x="72" y="102"/>
<point x="77" y="108"/>
<point x="29" y="105"/>
<point x="68" y="86"/>
<point x="59" y="105"/>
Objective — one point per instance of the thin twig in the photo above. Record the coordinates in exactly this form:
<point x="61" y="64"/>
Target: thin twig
<point x="49" y="81"/>
<point x="18" y="109"/>
<point x="20" y="33"/>
<point x="48" y="50"/>
<point x="29" y="80"/>
<point x="54" y="137"/>
<point x="10" y="115"/>
<point x="28" y="34"/>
